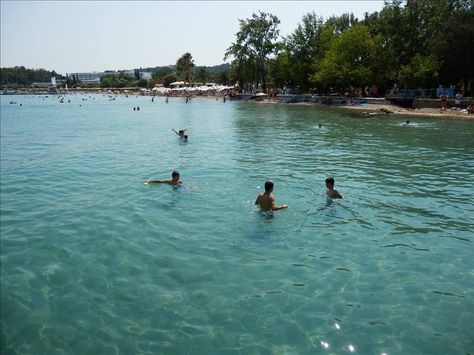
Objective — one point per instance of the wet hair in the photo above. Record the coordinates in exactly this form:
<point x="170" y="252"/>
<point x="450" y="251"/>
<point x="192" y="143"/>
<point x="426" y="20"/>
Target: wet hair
<point x="181" y="131"/>
<point x="185" y="136"/>
<point x="330" y="180"/>
<point x="268" y="186"/>
<point x="174" y="174"/>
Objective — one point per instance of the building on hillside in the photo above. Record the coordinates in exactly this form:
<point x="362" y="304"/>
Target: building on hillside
<point x="92" y="78"/>
<point x="145" y="75"/>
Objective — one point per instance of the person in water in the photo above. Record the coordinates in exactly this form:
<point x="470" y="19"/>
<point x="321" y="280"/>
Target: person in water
<point x="180" y="133"/>
<point x="331" y="192"/>
<point x="266" y="200"/>
<point x="174" y="181"/>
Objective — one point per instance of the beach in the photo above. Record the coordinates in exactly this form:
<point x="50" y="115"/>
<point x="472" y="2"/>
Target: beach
<point x="397" y="110"/>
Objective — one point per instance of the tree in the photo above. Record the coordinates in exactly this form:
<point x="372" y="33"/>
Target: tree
<point x="184" y="65"/>
<point x="169" y="78"/>
<point x="280" y="70"/>
<point x="143" y="83"/>
<point x="222" y="77"/>
<point x="202" y="75"/>
<point x="255" y="42"/>
<point x="352" y="60"/>
<point x="304" y="47"/>
<point x="455" y="50"/>
<point x="161" y="72"/>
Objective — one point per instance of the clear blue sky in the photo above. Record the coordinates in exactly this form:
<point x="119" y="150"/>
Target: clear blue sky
<point x="80" y="36"/>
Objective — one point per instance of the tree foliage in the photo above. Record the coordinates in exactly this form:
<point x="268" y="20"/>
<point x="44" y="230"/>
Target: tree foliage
<point x="184" y="66"/>
<point x="351" y="60"/>
<point x="255" y="42"/>
<point x="169" y="78"/>
<point x="202" y="75"/>
<point x="303" y="47"/>
<point x="414" y="43"/>
<point x="120" y="81"/>
<point x="25" y="77"/>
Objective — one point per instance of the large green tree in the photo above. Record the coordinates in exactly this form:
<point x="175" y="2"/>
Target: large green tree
<point x="455" y="50"/>
<point x="352" y="60"/>
<point x="304" y="47"/>
<point x="184" y="66"/>
<point x="255" y="42"/>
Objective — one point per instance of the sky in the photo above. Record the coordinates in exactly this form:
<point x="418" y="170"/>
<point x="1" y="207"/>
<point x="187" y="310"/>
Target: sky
<point x="87" y="36"/>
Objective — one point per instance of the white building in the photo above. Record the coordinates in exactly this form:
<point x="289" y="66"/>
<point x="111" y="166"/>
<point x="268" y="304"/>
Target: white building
<point x="92" y="78"/>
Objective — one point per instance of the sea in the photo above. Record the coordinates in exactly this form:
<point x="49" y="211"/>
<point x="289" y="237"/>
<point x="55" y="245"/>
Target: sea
<point x="94" y="261"/>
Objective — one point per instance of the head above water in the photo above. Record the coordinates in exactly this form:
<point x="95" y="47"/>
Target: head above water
<point x="268" y="187"/>
<point x="330" y="182"/>
<point x="175" y="174"/>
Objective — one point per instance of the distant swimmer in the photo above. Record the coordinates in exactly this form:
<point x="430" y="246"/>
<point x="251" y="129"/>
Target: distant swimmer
<point x="408" y="122"/>
<point x="266" y="200"/>
<point x="174" y="181"/>
<point x="320" y="125"/>
<point x="181" y="134"/>
<point x="331" y="192"/>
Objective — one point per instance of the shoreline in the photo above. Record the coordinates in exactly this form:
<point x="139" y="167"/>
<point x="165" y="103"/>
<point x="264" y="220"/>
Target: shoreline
<point x="394" y="110"/>
<point x="368" y="109"/>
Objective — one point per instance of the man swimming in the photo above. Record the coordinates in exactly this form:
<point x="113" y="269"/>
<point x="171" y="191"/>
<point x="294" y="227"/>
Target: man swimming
<point x="174" y="181"/>
<point x="331" y="192"/>
<point x="181" y="134"/>
<point x="266" y="200"/>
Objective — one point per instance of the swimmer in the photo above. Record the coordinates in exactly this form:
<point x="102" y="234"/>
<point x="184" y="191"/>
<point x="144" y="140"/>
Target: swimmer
<point x="174" y="181"/>
<point x="407" y="123"/>
<point x="181" y="134"/>
<point x="331" y="192"/>
<point x="266" y="200"/>
<point x="320" y="125"/>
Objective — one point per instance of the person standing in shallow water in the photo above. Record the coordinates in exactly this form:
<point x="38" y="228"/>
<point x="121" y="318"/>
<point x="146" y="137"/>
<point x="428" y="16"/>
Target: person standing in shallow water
<point x="266" y="200"/>
<point x="331" y="192"/>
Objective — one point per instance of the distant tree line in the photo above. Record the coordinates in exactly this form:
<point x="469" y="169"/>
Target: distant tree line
<point x="413" y="43"/>
<point x="22" y="76"/>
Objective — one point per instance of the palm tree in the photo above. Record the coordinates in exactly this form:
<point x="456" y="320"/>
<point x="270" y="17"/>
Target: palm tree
<point x="184" y="66"/>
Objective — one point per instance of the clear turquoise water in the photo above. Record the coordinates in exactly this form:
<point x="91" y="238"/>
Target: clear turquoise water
<point x="95" y="262"/>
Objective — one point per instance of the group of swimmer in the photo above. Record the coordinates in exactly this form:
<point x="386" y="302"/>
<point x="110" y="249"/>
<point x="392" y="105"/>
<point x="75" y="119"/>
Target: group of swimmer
<point x="266" y="200"/>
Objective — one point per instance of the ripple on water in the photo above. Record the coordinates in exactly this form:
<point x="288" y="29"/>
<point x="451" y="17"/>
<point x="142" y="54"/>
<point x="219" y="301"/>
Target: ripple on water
<point x="93" y="261"/>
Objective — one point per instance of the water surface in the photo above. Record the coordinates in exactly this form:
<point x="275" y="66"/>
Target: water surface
<point x="95" y="262"/>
